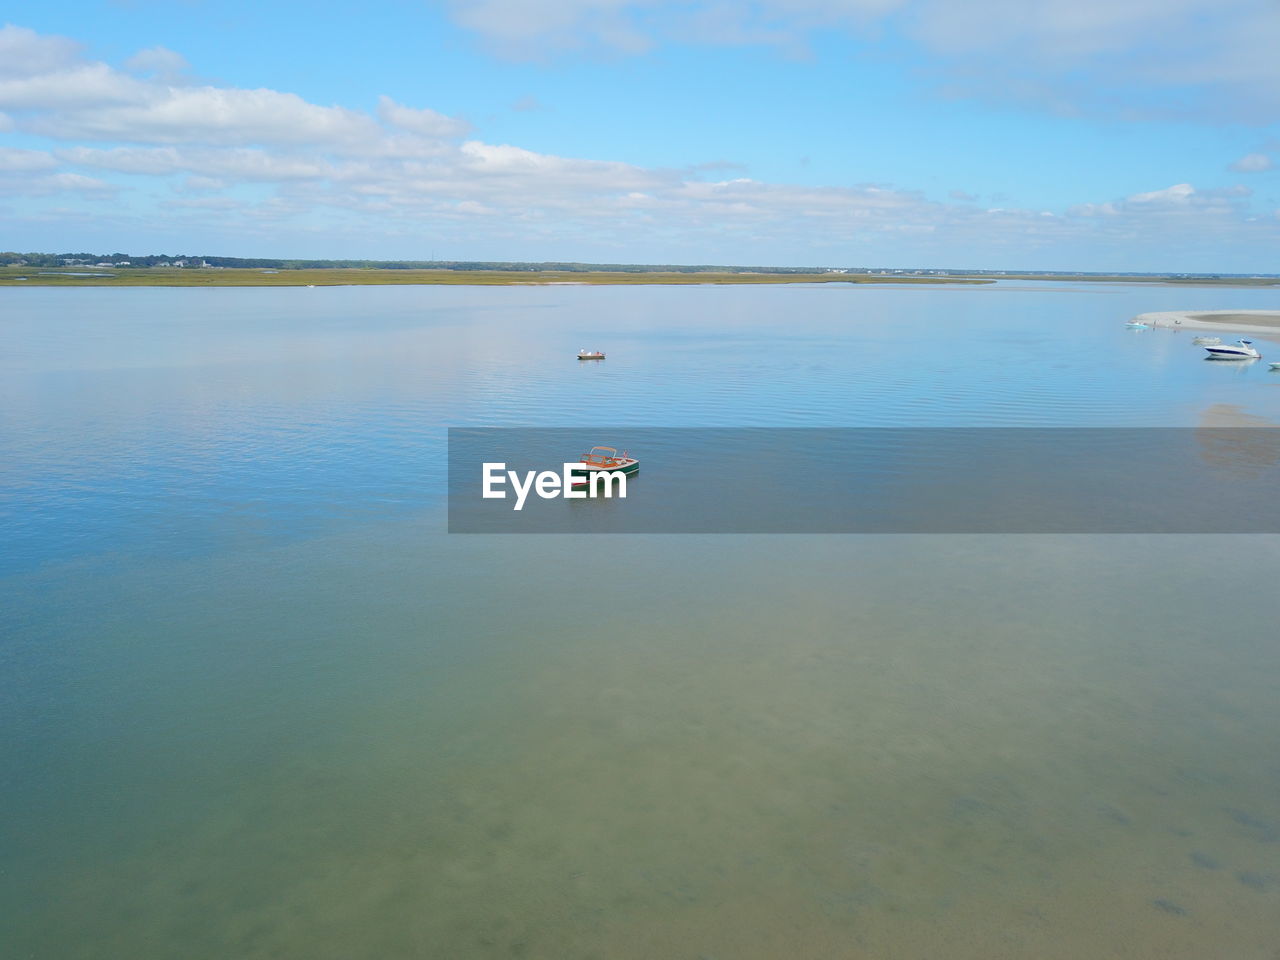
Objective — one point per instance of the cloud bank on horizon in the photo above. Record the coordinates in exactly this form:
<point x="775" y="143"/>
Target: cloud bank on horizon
<point x="142" y="155"/>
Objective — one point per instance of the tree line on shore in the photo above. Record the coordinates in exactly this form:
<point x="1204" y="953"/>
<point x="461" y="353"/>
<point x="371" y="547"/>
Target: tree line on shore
<point x="126" y="261"/>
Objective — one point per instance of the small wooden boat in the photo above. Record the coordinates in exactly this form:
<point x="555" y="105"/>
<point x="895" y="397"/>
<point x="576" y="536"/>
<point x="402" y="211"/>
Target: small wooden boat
<point x="590" y="354"/>
<point x="602" y="460"/>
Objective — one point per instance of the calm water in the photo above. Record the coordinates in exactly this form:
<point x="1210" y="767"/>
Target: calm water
<point x="256" y="704"/>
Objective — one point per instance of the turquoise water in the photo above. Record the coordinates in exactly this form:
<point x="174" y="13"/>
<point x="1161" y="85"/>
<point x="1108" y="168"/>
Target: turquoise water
<point x="256" y="703"/>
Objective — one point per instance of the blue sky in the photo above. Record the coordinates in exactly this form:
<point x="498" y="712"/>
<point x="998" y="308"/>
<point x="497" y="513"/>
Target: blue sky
<point x="1126" y="135"/>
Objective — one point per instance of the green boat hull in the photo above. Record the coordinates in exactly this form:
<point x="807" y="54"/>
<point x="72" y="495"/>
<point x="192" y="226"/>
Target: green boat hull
<point x="580" y="477"/>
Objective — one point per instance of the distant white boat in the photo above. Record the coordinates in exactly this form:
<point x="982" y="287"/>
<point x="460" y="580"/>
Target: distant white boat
<point x="590" y="354"/>
<point x="1206" y="341"/>
<point x="1137" y="325"/>
<point x="1240" y="350"/>
<point x="1275" y="364"/>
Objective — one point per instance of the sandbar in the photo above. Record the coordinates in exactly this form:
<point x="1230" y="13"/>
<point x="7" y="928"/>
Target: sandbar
<point x="1244" y="321"/>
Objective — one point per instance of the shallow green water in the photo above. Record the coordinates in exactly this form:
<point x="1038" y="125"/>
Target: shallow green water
<point x="291" y="723"/>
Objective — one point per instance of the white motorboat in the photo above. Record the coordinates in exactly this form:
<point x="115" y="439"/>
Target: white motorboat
<point x="1206" y="341"/>
<point x="1240" y="350"/>
<point x="1275" y="364"/>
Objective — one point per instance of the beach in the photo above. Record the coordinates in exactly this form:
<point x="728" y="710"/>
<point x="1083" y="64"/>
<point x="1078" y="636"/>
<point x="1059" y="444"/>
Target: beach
<point x="1244" y="321"/>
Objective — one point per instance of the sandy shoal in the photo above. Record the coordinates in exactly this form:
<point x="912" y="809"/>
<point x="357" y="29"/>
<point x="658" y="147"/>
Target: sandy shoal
<point x="1245" y="321"/>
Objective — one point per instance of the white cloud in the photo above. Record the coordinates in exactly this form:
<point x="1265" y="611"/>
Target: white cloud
<point x="490" y="162"/>
<point x="75" y="181"/>
<point x="1253" y="163"/>
<point x="24" y="52"/>
<point x="239" y="163"/>
<point x="1093" y="210"/>
<point x="425" y="122"/>
<point x="159" y="62"/>
<point x="53" y="183"/>
<point x="404" y="171"/>
<point x="505" y="194"/>
<point x="54" y="94"/>
<point x="204" y="203"/>
<point x="1065" y="32"/>
<point x="83" y="87"/>
<point x="532" y="29"/>
<point x="70" y="99"/>
<point x="1202" y="223"/>
<point x="14" y="160"/>
<point x="202" y="185"/>
<point x="1124" y="57"/>
<point x="1236" y="190"/>
<point x="528" y="29"/>
<point x="211" y="115"/>
<point x="1179" y="193"/>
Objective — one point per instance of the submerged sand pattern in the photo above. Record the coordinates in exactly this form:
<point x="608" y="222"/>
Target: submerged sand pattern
<point x="970" y="747"/>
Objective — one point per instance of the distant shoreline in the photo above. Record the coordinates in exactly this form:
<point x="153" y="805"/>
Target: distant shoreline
<point x="238" y="275"/>
<point x="76" y="276"/>
<point x="332" y="277"/>
<point x="1243" y="321"/>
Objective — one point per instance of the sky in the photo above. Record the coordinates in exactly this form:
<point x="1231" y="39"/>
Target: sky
<point x="1134" y="135"/>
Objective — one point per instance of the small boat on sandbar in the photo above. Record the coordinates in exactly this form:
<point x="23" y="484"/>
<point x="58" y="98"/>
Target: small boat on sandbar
<point x="590" y="354"/>
<point x="1240" y="350"/>
<point x="602" y="460"/>
<point x="1206" y="341"/>
<point x="1136" y="325"/>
